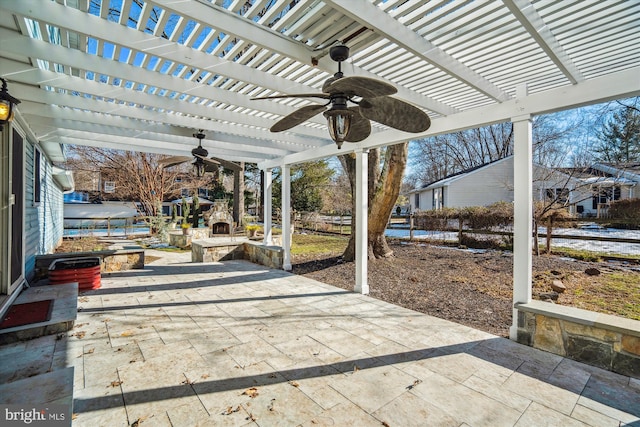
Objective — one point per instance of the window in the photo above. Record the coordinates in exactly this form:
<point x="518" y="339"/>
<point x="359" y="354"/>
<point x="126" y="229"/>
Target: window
<point x="558" y="195"/>
<point x="37" y="176"/>
<point x="109" y="186"/>
<point x="416" y="201"/>
<point x="437" y="197"/>
<point x="605" y="196"/>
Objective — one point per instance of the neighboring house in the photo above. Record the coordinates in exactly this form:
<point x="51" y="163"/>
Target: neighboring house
<point x="479" y="186"/>
<point x="586" y="191"/>
<point x="602" y="184"/>
<point x="31" y="206"/>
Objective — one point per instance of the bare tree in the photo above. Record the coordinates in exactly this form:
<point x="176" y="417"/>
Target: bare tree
<point x="443" y="155"/>
<point x="138" y="177"/>
<point x="336" y="196"/>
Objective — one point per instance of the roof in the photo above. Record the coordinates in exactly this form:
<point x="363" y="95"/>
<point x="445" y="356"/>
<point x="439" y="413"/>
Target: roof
<point x="145" y="75"/>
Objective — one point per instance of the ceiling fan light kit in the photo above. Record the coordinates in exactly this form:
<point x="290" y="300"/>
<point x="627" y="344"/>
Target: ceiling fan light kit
<point x="352" y="124"/>
<point x="200" y="160"/>
<point x="339" y="120"/>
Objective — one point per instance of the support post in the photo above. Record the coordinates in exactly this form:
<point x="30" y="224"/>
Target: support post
<point x="362" y="231"/>
<point x="286" y="217"/>
<point x="267" y="204"/>
<point x="522" y="214"/>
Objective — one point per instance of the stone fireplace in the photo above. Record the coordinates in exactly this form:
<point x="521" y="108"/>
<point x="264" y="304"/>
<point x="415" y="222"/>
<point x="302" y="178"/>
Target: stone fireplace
<point x="220" y="219"/>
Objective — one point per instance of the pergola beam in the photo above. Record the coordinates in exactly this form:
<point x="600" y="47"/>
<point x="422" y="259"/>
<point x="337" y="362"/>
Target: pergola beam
<point x="524" y="12"/>
<point x="371" y="15"/>
<point x="623" y="84"/>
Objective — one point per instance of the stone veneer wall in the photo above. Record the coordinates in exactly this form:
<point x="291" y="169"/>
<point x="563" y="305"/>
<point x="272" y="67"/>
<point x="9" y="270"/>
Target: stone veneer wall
<point x="181" y="240"/>
<point x="256" y="252"/>
<point x="111" y="260"/>
<point x="269" y="256"/>
<point x="601" y="340"/>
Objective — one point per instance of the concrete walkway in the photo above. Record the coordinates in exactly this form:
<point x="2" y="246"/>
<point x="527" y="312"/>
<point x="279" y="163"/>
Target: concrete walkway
<point x="233" y="343"/>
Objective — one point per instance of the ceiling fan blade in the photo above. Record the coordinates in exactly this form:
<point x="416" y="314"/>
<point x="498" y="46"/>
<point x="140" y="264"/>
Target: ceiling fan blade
<point x="173" y="161"/>
<point x="364" y="87"/>
<point x="208" y="161"/>
<point x="299" y="116"/>
<point x="296" y="95"/>
<point x="360" y="126"/>
<point x="395" y="113"/>
<point x="228" y="165"/>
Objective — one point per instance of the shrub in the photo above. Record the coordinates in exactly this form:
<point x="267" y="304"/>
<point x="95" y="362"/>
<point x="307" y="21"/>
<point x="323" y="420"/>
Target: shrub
<point x="626" y="209"/>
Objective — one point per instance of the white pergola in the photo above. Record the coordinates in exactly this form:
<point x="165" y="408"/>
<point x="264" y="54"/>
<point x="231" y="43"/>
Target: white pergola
<point x="144" y="75"/>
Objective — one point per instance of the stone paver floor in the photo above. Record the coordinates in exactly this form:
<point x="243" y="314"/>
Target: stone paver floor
<point x="234" y="344"/>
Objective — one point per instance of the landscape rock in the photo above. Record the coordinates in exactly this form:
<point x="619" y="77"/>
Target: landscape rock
<point x="558" y="286"/>
<point x="592" y="271"/>
<point x="553" y="296"/>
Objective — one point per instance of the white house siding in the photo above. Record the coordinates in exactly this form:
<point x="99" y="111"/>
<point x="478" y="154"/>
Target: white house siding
<point x="494" y="183"/>
<point x="482" y="187"/>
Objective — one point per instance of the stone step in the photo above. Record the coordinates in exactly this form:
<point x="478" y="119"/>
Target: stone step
<point x="63" y="314"/>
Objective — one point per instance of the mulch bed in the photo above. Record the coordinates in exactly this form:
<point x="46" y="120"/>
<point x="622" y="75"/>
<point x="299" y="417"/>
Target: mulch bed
<point x="467" y="287"/>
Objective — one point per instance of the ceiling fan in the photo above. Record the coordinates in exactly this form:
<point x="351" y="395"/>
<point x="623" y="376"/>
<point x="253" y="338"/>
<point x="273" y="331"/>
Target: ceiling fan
<point x="352" y="124"/>
<point x="200" y="160"/>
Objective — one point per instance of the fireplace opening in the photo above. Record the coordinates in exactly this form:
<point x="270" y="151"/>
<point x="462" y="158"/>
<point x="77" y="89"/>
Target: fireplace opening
<point x="220" y="228"/>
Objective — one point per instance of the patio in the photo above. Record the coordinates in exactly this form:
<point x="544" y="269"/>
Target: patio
<point x="235" y="343"/>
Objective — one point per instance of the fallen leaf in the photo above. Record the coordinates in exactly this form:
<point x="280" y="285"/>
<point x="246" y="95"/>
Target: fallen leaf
<point x="384" y="423"/>
<point x="415" y="383"/>
<point x="271" y="404"/>
<point x="355" y="368"/>
<point x="90" y="351"/>
<point x="74" y="416"/>
<point x="293" y="383"/>
<point x="251" y="392"/>
<point x="187" y="381"/>
<point x="250" y="417"/>
<point x="230" y="410"/>
<point x="115" y="383"/>
<point x="126" y="334"/>
<point x="204" y="376"/>
<point x="80" y="334"/>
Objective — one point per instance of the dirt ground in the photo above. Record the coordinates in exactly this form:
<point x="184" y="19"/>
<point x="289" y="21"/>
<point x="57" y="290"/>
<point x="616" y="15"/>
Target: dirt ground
<point x="469" y="287"/>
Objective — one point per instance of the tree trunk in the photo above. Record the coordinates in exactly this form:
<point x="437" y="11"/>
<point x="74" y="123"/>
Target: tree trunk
<point x="536" y="245"/>
<point x="384" y="188"/>
<point x="238" y="195"/>
<point x="549" y="231"/>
